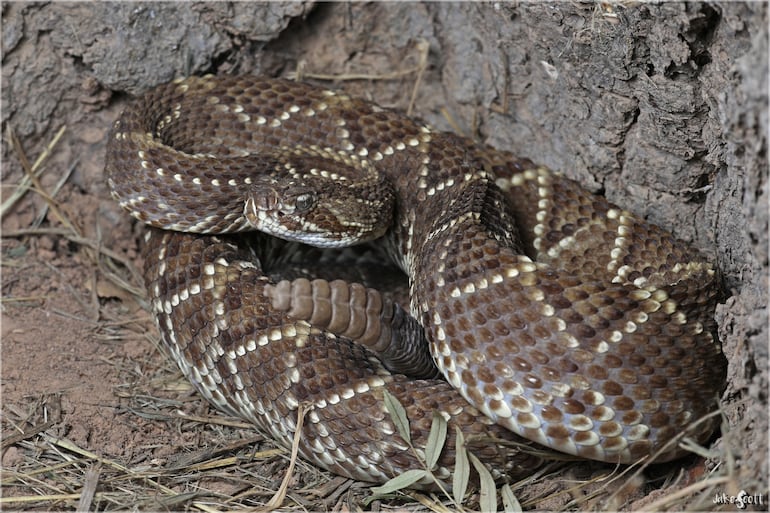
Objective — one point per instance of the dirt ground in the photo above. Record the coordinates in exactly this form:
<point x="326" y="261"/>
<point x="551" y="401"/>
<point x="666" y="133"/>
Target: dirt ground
<point x="661" y="108"/>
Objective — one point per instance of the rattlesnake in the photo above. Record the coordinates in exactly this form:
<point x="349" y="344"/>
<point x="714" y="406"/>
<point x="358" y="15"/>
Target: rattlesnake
<point x="553" y="313"/>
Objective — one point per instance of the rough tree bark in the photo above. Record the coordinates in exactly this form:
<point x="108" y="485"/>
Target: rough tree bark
<point x="662" y="108"/>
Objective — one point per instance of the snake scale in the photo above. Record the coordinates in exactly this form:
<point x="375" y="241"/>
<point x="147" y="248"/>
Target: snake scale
<point x="552" y="314"/>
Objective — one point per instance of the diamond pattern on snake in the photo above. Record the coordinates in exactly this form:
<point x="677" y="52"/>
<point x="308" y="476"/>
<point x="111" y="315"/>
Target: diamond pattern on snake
<point x="536" y="312"/>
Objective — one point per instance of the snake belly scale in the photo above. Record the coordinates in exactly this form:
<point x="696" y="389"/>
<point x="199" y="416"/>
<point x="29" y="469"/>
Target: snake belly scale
<point x="552" y="314"/>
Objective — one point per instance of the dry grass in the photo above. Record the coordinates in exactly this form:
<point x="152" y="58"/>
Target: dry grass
<point x="57" y="474"/>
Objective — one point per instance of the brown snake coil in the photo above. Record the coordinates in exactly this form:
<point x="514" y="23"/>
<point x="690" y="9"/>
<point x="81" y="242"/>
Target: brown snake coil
<point x="551" y="311"/>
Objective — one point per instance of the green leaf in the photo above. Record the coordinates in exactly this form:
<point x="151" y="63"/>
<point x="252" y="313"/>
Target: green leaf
<point x="510" y="502"/>
<point x="462" y="472"/>
<point x="488" y="491"/>
<point x="436" y="440"/>
<point x="398" y="414"/>
<point x="400" y="482"/>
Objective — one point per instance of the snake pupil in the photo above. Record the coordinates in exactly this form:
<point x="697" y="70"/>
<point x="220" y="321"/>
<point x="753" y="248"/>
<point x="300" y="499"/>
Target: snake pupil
<point x="304" y="202"/>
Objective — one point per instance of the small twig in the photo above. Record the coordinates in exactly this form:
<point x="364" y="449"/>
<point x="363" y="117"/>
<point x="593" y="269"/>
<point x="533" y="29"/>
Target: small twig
<point x="214" y="420"/>
<point x="299" y="75"/>
<point x="22" y="299"/>
<point x="41" y="216"/>
<point x="72" y="447"/>
<point x="429" y="503"/>
<point x="280" y="495"/>
<point x="18" y="437"/>
<point x="89" y="488"/>
<point x="39" y="498"/>
<point x="423" y="46"/>
<point x="36" y="168"/>
<point x="501" y="107"/>
<point x="687" y="491"/>
<point x="451" y="120"/>
<point x="38" y="187"/>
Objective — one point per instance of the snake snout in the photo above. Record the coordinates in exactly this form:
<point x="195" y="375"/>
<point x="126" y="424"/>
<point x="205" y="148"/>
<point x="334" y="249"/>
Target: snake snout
<point x="295" y="219"/>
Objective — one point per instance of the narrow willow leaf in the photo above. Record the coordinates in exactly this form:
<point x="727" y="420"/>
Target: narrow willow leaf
<point x="462" y="469"/>
<point x="510" y="502"/>
<point x="398" y="414"/>
<point x="400" y="482"/>
<point x="436" y="440"/>
<point x="488" y="491"/>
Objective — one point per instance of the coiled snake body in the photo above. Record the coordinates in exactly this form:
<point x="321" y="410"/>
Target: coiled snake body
<point x="551" y="313"/>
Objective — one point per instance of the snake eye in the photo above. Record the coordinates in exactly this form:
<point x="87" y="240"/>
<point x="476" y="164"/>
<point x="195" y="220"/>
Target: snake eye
<point x="304" y="202"/>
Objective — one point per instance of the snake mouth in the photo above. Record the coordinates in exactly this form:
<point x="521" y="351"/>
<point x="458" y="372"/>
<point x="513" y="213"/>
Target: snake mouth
<point x="290" y="226"/>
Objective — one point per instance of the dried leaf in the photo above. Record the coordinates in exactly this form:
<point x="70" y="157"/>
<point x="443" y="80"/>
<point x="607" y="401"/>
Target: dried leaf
<point x="399" y="482"/>
<point x="436" y="440"/>
<point x="462" y="469"/>
<point x="398" y="414"/>
<point x="510" y="502"/>
<point x="488" y="491"/>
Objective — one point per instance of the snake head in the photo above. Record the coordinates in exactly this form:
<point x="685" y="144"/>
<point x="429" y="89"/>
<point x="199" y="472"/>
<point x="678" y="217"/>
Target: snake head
<point x="269" y="196"/>
<point x="319" y="213"/>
